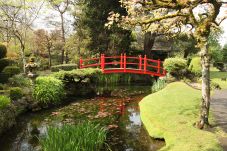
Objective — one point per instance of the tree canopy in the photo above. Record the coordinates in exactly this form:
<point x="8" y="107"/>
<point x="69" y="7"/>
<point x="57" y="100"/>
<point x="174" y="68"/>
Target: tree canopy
<point x="176" y="16"/>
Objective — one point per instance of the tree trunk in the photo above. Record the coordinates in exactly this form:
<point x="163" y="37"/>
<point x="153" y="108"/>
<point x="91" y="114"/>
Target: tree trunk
<point x="63" y="40"/>
<point x="23" y="57"/>
<point x="205" y="106"/>
<point x="49" y="54"/>
<point x="149" y="39"/>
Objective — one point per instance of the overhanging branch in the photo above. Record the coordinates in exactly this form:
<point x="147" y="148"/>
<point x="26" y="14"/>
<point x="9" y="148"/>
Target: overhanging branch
<point x="163" y="17"/>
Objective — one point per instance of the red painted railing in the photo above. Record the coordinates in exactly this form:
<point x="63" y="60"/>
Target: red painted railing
<point x="127" y="64"/>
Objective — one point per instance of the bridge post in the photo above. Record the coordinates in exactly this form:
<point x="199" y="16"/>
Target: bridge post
<point x="140" y="62"/>
<point x="102" y="62"/>
<point x="158" y="66"/>
<point x="145" y="64"/>
<point x="125" y="62"/>
<point x="81" y="63"/>
<point x="121" y="61"/>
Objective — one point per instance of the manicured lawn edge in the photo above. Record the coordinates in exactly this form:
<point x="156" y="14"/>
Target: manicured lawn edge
<point x="217" y="76"/>
<point x="171" y="113"/>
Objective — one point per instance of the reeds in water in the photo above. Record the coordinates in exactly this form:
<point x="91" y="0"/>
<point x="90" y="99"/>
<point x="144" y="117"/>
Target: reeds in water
<point x="82" y="137"/>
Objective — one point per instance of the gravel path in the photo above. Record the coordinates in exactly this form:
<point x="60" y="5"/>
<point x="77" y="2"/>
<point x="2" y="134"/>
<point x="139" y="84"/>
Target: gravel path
<point x="219" y="109"/>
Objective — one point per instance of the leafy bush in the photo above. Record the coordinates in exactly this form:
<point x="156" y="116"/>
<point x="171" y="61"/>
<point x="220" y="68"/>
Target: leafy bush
<point x="11" y="70"/>
<point x="3" y="51"/>
<point x="19" y="81"/>
<point x="195" y="66"/>
<point x="81" y="137"/>
<point x="65" y="67"/>
<point x="175" y="66"/>
<point x="219" y="65"/>
<point x="48" y="90"/>
<point x="15" y="93"/>
<point x="4" y="101"/>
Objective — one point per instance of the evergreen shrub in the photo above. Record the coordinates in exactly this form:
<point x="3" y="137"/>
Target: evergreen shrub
<point x="195" y="66"/>
<point x="177" y="67"/>
<point x="15" y="93"/>
<point x="64" y="67"/>
<point x="3" y="63"/>
<point x="3" y="51"/>
<point x="19" y="80"/>
<point x="11" y="70"/>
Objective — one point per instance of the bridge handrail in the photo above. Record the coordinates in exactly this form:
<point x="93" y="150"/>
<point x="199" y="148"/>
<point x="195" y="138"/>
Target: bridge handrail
<point x="142" y="63"/>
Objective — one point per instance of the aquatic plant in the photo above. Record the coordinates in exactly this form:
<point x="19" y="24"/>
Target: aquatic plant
<point x="108" y="78"/>
<point x="114" y="79"/>
<point x="48" y="90"/>
<point x="82" y="137"/>
<point x="158" y="85"/>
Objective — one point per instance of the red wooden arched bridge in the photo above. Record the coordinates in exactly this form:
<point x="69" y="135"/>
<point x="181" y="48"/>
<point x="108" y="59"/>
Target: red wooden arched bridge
<point x="125" y="64"/>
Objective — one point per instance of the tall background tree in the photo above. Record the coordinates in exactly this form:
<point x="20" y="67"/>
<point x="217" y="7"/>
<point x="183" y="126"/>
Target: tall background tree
<point x="62" y="6"/>
<point x="91" y="19"/>
<point x="17" y="21"/>
<point x="45" y="42"/>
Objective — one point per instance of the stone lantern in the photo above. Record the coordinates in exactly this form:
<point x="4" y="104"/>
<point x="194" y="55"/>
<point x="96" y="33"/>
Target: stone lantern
<point x="31" y="67"/>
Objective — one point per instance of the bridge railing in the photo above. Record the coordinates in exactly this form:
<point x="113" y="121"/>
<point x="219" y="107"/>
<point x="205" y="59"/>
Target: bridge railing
<point x="124" y="63"/>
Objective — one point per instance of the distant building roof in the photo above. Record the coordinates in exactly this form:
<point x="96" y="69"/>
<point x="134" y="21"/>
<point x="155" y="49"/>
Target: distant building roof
<point x="162" y="44"/>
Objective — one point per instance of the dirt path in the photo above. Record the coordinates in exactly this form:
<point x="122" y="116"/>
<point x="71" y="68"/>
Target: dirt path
<point x="219" y="109"/>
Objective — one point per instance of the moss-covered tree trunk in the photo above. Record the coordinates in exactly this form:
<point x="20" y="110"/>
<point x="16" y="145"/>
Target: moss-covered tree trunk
<point x="205" y="62"/>
<point x="149" y="39"/>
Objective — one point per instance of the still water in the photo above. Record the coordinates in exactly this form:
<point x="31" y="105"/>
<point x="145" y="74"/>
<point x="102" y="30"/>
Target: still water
<point x="119" y="112"/>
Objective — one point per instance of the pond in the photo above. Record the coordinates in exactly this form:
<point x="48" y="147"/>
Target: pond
<point x="118" y="111"/>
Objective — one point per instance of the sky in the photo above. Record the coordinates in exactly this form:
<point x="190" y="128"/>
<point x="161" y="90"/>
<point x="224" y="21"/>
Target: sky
<point x="49" y="14"/>
<point x="223" y="38"/>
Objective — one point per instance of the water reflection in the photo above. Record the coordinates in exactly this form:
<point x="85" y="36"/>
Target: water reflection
<point x="127" y="134"/>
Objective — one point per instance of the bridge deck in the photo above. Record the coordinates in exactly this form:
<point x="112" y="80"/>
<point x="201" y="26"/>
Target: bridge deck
<point x="131" y="70"/>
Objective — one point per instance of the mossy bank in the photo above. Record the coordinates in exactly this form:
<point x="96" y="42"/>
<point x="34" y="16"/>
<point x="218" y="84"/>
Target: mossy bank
<point x="171" y="114"/>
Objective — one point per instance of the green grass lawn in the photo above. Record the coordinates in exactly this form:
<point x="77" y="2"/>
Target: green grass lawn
<point x="171" y="113"/>
<point x="216" y="76"/>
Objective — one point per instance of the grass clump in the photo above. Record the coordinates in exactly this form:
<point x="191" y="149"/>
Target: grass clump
<point x="48" y="90"/>
<point x="4" y="101"/>
<point x="170" y="114"/>
<point x="82" y="137"/>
